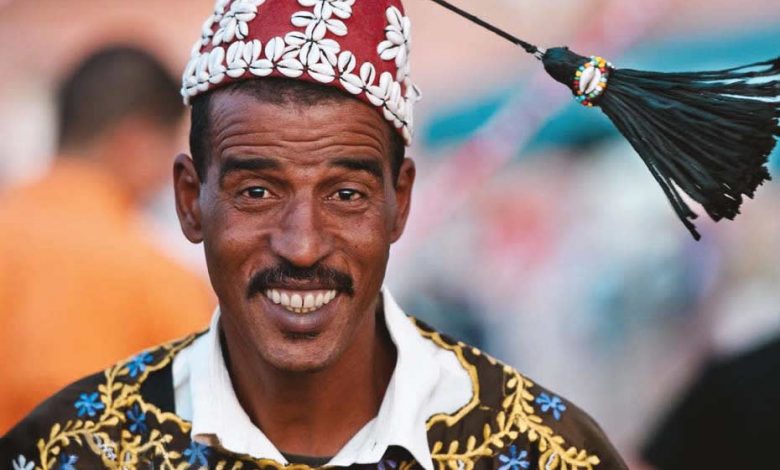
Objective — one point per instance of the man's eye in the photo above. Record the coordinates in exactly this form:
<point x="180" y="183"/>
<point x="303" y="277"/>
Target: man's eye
<point x="256" y="192"/>
<point x="346" y="195"/>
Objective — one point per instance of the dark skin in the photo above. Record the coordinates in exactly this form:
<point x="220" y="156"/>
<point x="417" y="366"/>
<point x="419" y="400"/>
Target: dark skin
<point x="307" y="186"/>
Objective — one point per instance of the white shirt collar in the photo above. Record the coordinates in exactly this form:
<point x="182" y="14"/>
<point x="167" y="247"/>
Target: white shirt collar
<point x="403" y="412"/>
<point x="217" y="415"/>
<point x="425" y="381"/>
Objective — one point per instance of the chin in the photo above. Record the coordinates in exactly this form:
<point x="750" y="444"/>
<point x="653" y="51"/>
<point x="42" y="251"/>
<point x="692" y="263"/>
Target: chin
<point x="302" y="355"/>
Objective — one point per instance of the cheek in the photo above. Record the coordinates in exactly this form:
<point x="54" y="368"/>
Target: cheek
<point x="231" y="243"/>
<point x="366" y="239"/>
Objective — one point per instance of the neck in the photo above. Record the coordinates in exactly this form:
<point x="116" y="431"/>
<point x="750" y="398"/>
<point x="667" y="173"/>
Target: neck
<point x="316" y="413"/>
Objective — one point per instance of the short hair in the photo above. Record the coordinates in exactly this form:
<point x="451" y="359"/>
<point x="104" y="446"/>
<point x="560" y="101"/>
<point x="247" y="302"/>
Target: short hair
<point x="110" y="85"/>
<point x="278" y="91"/>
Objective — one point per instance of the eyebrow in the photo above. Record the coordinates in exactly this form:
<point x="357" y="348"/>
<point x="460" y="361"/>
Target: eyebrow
<point x="369" y="165"/>
<point x="231" y="165"/>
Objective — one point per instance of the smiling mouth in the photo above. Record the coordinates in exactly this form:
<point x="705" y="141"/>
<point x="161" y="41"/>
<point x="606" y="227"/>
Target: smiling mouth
<point x="301" y="301"/>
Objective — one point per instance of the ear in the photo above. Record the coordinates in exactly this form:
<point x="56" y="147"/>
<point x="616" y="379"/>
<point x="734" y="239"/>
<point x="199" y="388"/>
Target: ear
<point x="403" y="197"/>
<point x="186" y="187"/>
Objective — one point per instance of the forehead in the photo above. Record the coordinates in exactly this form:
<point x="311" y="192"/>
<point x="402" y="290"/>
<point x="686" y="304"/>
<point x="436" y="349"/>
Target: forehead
<point x="241" y="124"/>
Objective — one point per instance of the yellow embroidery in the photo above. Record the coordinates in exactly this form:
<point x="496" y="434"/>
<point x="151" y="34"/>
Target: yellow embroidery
<point x="451" y="420"/>
<point x="116" y="395"/>
<point x="516" y="417"/>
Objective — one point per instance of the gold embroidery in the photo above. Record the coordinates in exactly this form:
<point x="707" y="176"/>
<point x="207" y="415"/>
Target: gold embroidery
<point x="516" y="417"/>
<point x="115" y="395"/>
<point x="451" y="420"/>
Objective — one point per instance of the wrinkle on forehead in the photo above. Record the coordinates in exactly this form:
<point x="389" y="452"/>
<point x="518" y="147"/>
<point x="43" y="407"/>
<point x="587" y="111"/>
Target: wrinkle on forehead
<point x="243" y="124"/>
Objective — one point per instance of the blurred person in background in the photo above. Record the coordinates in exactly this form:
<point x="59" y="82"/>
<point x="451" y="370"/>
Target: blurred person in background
<point x="729" y="417"/>
<point x="81" y="286"/>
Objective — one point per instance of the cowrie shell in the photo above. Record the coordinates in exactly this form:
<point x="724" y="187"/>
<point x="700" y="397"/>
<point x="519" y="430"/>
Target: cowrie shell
<point x="589" y="80"/>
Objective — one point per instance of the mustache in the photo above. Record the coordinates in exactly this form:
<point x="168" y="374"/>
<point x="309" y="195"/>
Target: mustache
<point x="286" y="273"/>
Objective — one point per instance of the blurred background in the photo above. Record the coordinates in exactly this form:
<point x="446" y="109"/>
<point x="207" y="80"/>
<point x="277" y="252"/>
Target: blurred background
<point x="536" y="232"/>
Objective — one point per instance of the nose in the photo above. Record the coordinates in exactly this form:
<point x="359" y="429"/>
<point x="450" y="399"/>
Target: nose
<point x="300" y="238"/>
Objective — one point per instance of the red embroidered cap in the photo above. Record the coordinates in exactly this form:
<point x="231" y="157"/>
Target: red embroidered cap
<point x="360" y="47"/>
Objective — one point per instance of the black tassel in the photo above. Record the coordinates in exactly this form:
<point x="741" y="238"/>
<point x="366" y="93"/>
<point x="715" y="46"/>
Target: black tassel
<point x="708" y="134"/>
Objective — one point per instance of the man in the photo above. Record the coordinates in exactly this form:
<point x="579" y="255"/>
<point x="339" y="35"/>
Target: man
<point x="81" y="285"/>
<point x="297" y="187"/>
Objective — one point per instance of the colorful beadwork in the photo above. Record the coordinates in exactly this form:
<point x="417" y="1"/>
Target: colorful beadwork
<point x="590" y="80"/>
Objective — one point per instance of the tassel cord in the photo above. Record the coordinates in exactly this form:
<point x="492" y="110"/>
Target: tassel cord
<point x="529" y="48"/>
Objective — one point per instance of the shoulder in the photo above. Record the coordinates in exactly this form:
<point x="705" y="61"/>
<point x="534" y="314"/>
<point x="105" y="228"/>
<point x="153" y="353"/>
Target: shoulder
<point x="89" y="419"/>
<point x="513" y="423"/>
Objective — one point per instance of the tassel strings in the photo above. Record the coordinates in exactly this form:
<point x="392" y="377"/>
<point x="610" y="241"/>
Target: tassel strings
<point x="724" y="86"/>
<point x="716" y="157"/>
<point x="628" y="128"/>
<point x="742" y="71"/>
<point x="707" y="145"/>
<point x="673" y="104"/>
<point x="675" y="142"/>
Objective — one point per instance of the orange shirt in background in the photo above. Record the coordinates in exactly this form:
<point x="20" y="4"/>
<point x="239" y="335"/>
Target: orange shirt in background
<point x="81" y="287"/>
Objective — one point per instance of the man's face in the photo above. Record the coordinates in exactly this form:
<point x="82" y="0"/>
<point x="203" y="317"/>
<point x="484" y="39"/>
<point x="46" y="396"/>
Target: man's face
<point x="297" y="214"/>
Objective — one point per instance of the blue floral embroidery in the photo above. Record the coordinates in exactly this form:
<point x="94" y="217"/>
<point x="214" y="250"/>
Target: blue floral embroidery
<point x="387" y="465"/>
<point x="137" y="419"/>
<point x="88" y="404"/>
<point x="138" y="364"/>
<point x="68" y="462"/>
<point x="553" y="403"/>
<point x="197" y="453"/>
<point x="514" y="461"/>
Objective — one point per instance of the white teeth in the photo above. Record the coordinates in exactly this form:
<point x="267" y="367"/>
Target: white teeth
<point x="301" y="310"/>
<point x="301" y="301"/>
<point x="296" y="301"/>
